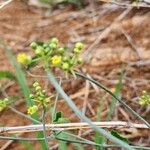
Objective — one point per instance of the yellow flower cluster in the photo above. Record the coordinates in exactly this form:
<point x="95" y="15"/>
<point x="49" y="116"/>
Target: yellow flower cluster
<point x="39" y="97"/>
<point x="23" y="59"/>
<point x="51" y="54"/>
<point x="144" y="99"/>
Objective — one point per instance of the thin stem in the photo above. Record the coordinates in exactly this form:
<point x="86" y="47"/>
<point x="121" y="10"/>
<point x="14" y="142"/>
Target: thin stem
<point x="71" y="141"/>
<point x="23" y="115"/>
<point x="114" y="96"/>
<point x="44" y="128"/>
<point x="20" y="138"/>
<point x="55" y="103"/>
<point x="82" y="116"/>
<point x="100" y="145"/>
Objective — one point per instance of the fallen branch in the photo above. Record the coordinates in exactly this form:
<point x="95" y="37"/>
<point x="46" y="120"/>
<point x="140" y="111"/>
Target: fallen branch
<point x="71" y="126"/>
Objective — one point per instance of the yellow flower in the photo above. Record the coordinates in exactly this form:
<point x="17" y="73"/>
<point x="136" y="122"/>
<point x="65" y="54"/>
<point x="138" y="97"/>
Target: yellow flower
<point x="56" y="60"/>
<point x="23" y="58"/>
<point x="32" y="110"/>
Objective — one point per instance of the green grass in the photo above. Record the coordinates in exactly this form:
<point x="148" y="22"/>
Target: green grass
<point x="99" y="139"/>
<point x="117" y="93"/>
<point x="24" y="87"/>
<point x="114" y="96"/>
<point x="27" y="145"/>
<point x="7" y="74"/>
<point x="83" y="117"/>
<point x="78" y="3"/>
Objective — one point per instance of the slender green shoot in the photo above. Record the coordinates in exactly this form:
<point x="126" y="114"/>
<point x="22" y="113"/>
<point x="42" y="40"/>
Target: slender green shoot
<point x="7" y="74"/>
<point x="24" y="86"/>
<point x="114" y="96"/>
<point x="27" y="145"/>
<point x="117" y="93"/>
<point x="81" y="116"/>
<point x="99" y="139"/>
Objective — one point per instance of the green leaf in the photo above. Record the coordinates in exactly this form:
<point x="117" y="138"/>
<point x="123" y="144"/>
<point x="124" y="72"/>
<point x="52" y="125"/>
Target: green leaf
<point x="60" y="119"/>
<point x="78" y="146"/>
<point x="33" y="62"/>
<point x="27" y="145"/>
<point x="57" y="116"/>
<point x="99" y="139"/>
<point x="62" y="144"/>
<point x="63" y="120"/>
<point x="7" y="74"/>
<point x="117" y="93"/>
<point x="80" y="114"/>
<point x="24" y="86"/>
<point x="119" y="136"/>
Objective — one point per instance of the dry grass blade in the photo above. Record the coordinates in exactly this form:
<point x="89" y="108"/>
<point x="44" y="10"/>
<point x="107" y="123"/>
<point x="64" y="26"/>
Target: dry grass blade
<point x="71" y="126"/>
<point x="124" y="4"/>
<point x="5" y="3"/>
<point x="104" y="34"/>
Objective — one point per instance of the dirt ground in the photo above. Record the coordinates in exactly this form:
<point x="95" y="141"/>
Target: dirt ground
<point x="116" y="39"/>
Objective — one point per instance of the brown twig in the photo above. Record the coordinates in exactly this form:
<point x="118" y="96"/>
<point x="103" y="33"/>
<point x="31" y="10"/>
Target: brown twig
<point x="131" y="42"/>
<point x="104" y="34"/>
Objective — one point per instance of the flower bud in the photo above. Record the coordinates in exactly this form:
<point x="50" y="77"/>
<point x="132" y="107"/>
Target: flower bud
<point x="47" y="49"/>
<point x="35" y="84"/>
<point x="79" y="45"/>
<point x="80" y="61"/>
<point x="45" y="45"/>
<point x="39" y="50"/>
<point x="37" y="88"/>
<point x="61" y="50"/>
<point x="31" y="96"/>
<point x="65" y="66"/>
<point x="54" y="40"/>
<point x="33" y="45"/>
<point x="47" y="100"/>
<point x="53" y="45"/>
<point x="76" y="50"/>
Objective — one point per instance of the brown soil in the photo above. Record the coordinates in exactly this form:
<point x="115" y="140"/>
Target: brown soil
<point x="21" y="24"/>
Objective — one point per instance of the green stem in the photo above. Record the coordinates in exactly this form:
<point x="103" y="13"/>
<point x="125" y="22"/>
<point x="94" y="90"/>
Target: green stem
<point x="101" y="145"/>
<point x="23" y="84"/>
<point x="44" y="128"/>
<point x="55" y="103"/>
<point x="23" y="115"/>
<point x="114" y="96"/>
<point x="72" y="141"/>
<point x="81" y="116"/>
<point x="5" y="138"/>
